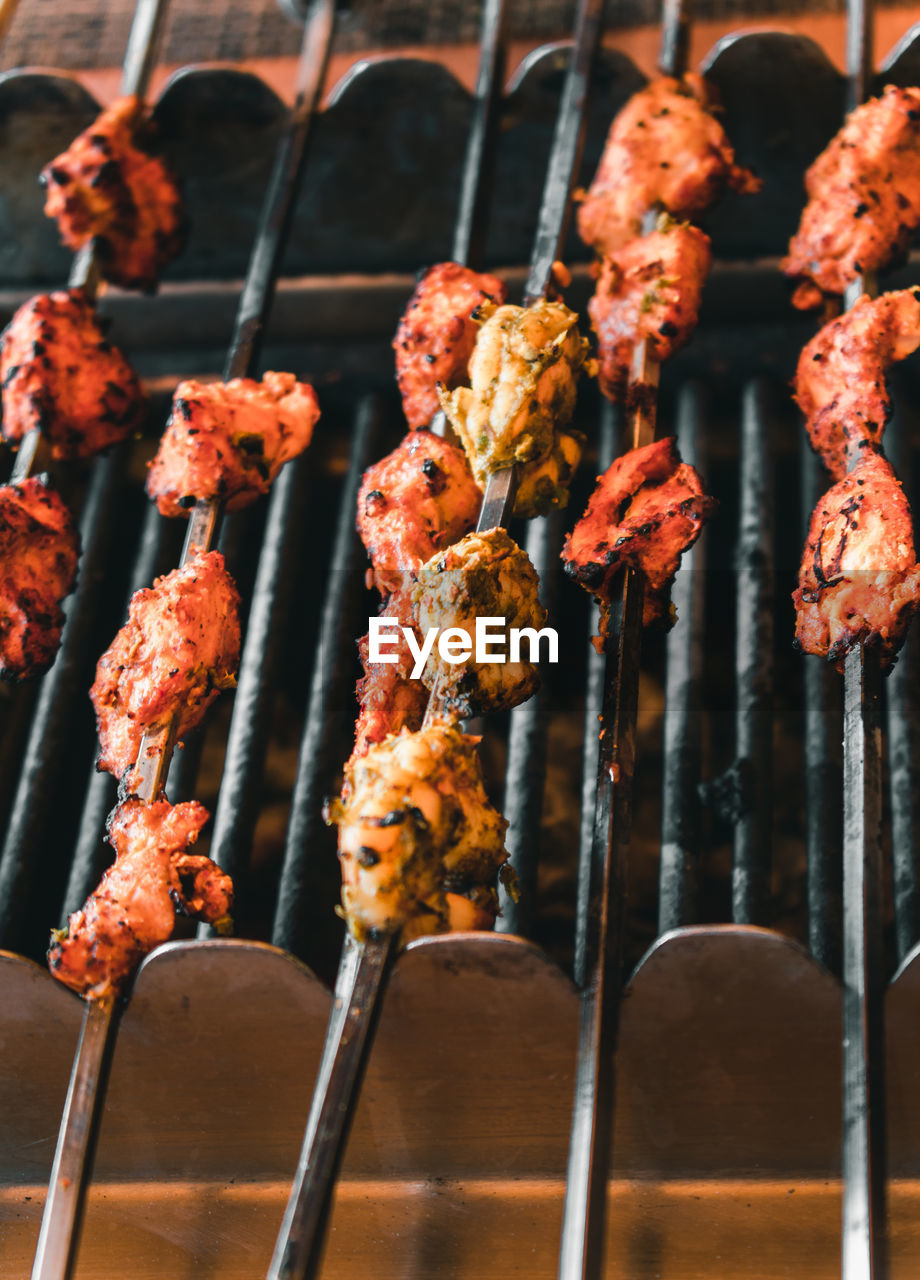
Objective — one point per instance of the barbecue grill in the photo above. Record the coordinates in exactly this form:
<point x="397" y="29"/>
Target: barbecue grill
<point x="727" y="1146"/>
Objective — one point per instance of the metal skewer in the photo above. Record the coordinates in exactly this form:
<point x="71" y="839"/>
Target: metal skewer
<point x="364" y="967"/>
<point x="59" y="1234"/>
<point x="581" y="1251"/>
<point x="864" y="1236"/>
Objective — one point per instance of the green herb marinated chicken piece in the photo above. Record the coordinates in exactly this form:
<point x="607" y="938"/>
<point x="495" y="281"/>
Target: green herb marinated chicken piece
<point x="484" y="575"/>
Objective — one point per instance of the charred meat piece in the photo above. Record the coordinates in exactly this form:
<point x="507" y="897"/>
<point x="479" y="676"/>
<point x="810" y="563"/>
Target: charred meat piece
<point x="178" y="649"/>
<point x="60" y="376"/>
<point x="39" y="549"/>
<point x="416" y="500"/>
<point x="414" y="825"/>
<point x="152" y="880"/>
<point x="863" y="198"/>
<point x="388" y="698"/>
<point x="436" y="335"/>
<point x="648" y="291"/>
<point x="859" y="582"/>
<point x="106" y="188"/>
<point x="523" y="375"/>
<point x="665" y="148"/>
<point x="840" y="380"/>
<point x="484" y="575"/>
<point x="227" y="441"/>
<point x="648" y="508"/>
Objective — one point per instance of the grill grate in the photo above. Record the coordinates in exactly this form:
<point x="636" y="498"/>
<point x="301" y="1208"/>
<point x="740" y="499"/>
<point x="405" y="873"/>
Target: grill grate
<point x="496" y="991"/>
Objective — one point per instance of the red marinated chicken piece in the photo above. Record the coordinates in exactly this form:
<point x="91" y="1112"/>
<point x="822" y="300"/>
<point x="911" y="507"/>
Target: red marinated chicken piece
<point x="859" y="582"/>
<point x="863" y="198"/>
<point x="39" y="548"/>
<point x="389" y="700"/>
<point x="648" y="508"/>
<point x="227" y="441"/>
<point x="62" y="377"/>
<point x="648" y="291"/>
<point x="415" y="501"/>
<point x="665" y="148"/>
<point x="153" y="879"/>
<point x="840" y="380"/>
<point x="178" y="649"/>
<point x="436" y="335"/>
<point x="105" y="188"/>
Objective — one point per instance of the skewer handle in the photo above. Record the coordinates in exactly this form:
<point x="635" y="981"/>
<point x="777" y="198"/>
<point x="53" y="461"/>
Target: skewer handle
<point x="581" y="1251"/>
<point x="143" y="46"/>
<point x="675" y="37"/>
<point x="59" y="1235"/>
<point x="863" y="974"/>
<point x="469" y="230"/>
<point x="565" y="156"/>
<point x="298" y="1251"/>
<point x="258" y="289"/>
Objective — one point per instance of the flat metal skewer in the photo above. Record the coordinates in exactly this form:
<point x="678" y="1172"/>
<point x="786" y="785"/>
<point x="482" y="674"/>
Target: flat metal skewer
<point x="61" y="1220"/>
<point x="864" y="1241"/>
<point x="600" y="942"/>
<point x="864" y="1233"/>
<point x="298" y="1250"/>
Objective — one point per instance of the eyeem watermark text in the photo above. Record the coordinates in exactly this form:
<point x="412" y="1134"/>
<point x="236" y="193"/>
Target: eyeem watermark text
<point x="491" y="642"/>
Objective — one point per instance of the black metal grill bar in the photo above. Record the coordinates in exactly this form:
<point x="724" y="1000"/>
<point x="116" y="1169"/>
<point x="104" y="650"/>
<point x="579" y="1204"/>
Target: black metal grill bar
<point x="90" y="854"/>
<point x="902" y="690"/>
<point x="754" y="663"/>
<point x="321" y="744"/>
<point x="525" y="773"/>
<point x="823" y="779"/>
<point x="240" y="791"/>
<point x="45" y="758"/>
<point x="680" y="806"/>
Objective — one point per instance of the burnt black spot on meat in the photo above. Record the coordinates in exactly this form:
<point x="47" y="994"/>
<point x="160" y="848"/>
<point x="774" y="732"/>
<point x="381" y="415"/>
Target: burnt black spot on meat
<point x="367" y="857"/>
<point x="437" y="480"/>
<point x="668" y="329"/>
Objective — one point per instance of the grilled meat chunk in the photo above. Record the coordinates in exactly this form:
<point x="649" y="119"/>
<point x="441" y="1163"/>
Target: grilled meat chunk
<point x="543" y="485"/>
<point x="152" y="880"/>
<point x="859" y="582"/>
<point x="39" y="548"/>
<point x="436" y="335"/>
<point x="863" y="198"/>
<point x="414" y="825"/>
<point x="228" y="440"/>
<point x="648" y="291"/>
<point x="106" y="188"/>
<point x="648" y="508"/>
<point x="388" y="698"/>
<point x="664" y="148"/>
<point x="178" y="649"/>
<point x="484" y="575"/>
<point x="416" y="500"/>
<point x="840" y="380"/>
<point x="523" y="374"/>
<point x="60" y="376"/>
